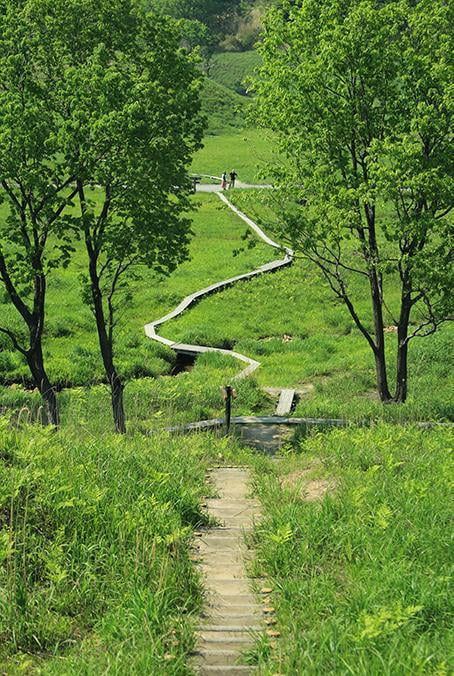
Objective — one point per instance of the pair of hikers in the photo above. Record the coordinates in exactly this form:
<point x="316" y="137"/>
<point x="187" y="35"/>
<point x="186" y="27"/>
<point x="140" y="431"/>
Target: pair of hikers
<point x="232" y="178"/>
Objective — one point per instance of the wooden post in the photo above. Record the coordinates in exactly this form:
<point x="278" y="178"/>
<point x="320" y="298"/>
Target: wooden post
<point x="228" y="393"/>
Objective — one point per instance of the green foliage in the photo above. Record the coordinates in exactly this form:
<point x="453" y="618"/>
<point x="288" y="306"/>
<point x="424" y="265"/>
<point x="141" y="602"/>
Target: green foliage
<point x="94" y="566"/>
<point x="116" y="109"/>
<point x="361" y="575"/>
<point x="218" y="15"/>
<point x="360" y="97"/>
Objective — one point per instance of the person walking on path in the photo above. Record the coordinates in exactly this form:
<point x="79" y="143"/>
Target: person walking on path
<point x="224" y="180"/>
<point x="233" y="176"/>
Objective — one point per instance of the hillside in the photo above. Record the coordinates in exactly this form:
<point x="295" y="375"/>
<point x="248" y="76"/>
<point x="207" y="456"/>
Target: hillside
<point x="224" y="97"/>
<point x="232" y="69"/>
<point x="225" y="110"/>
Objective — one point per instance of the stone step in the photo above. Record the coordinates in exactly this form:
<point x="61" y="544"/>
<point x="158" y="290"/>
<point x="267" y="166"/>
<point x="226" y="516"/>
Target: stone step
<point x="234" y="620"/>
<point x="230" y="516"/>
<point x="224" y="556"/>
<point x="231" y="507"/>
<point x="226" y="587"/>
<point x="222" y="627"/>
<point x="220" y="656"/>
<point x="245" y="623"/>
<point x="244" y="522"/>
<point x="219" y="643"/>
<point x="234" y="610"/>
<point x="230" y="503"/>
<point x="221" y="542"/>
<point x="226" y="670"/>
<point x="216" y="572"/>
<point x="247" y="620"/>
<point x="218" y="634"/>
<point x="217" y="600"/>
<point x="221" y="532"/>
<point x="221" y="471"/>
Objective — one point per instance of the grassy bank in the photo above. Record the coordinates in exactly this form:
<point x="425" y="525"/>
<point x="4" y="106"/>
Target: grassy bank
<point x="150" y="403"/>
<point x="356" y="544"/>
<point x="232" y="69"/>
<point x="95" y="575"/>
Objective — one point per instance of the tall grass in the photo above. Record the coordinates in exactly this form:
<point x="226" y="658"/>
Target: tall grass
<point x="151" y="403"/>
<point x="94" y="567"/>
<point x="362" y="575"/>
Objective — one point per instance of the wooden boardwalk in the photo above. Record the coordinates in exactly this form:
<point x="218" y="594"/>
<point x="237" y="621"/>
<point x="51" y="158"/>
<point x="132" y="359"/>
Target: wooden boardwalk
<point x="232" y="613"/>
<point x="151" y="329"/>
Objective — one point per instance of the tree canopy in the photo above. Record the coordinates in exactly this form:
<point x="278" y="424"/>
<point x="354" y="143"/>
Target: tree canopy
<point x="99" y="116"/>
<point x="360" y="95"/>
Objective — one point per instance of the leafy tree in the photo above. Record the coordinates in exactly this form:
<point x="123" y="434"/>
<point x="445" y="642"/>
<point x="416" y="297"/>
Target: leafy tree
<point x="123" y="108"/>
<point x="360" y="94"/>
<point x="35" y="189"/>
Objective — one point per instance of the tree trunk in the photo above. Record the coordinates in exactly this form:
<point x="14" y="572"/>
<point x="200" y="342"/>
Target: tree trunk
<point x="379" y="352"/>
<point x="402" y="370"/>
<point x="371" y="256"/>
<point x="402" y="348"/>
<point x="106" y="347"/>
<point x="116" y="386"/>
<point x="36" y="364"/>
<point x="117" y="405"/>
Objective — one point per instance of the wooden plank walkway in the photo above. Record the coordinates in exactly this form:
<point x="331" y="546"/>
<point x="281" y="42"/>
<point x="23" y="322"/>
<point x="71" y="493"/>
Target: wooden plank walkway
<point x="252" y="364"/>
<point x="232" y="613"/>
<point x="285" y="403"/>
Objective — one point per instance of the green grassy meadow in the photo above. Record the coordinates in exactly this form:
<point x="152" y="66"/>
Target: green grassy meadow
<point x="356" y="546"/>
<point x="245" y="151"/>
<point x="95" y="570"/>
<point x="70" y="339"/>
<point x="232" y="69"/>
<point x="230" y="141"/>
<point x="305" y="338"/>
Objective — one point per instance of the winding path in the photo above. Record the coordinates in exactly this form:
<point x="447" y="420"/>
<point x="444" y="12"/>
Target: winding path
<point x="194" y="350"/>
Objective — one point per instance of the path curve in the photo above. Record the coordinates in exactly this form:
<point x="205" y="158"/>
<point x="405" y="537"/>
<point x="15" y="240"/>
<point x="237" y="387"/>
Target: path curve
<point x="194" y="350"/>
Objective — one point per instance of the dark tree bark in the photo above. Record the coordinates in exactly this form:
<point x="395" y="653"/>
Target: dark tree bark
<point x="371" y="255"/>
<point x="406" y="304"/>
<point x="104" y="327"/>
<point x="34" y="320"/>
<point x="379" y="351"/>
<point x="35" y="363"/>
<point x="106" y="347"/>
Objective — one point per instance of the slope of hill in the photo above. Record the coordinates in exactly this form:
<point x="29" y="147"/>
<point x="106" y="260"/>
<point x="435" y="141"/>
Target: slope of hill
<point x="225" y="109"/>
<point x="232" y="69"/>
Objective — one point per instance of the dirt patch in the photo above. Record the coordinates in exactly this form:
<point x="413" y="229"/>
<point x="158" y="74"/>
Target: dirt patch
<point x="306" y="488"/>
